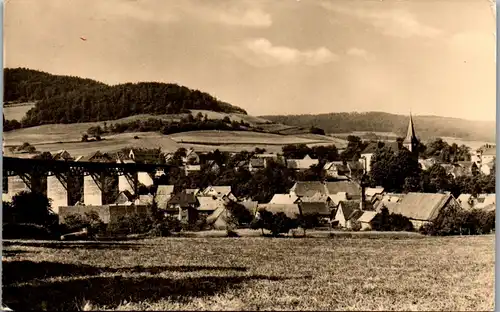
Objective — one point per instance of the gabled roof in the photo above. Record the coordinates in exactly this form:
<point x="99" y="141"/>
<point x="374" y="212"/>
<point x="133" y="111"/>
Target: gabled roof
<point x="355" y="215"/>
<point x="97" y="157"/>
<point x="421" y="206"/>
<point x="315" y="208"/>
<point x="251" y="205"/>
<point x="183" y="199"/>
<point x="348" y="207"/>
<point x="372" y="147"/>
<point x="337" y="198"/>
<point x="367" y="216"/>
<point x="301" y="163"/>
<point x="216" y="214"/>
<point x="144" y="200"/>
<point x="371" y="191"/>
<point x="208" y="203"/>
<point x="192" y="191"/>
<point x="316" y="198"/>
<point x="283" y="199"/>
<point x="193" y="167"/>
<point x="339" y="165"/>
<point x="257" y="162"/>
<point x="290" y="210"/>
<point x="351" y="188"/>
<point x="124" y="197"/>
<point x="62" y="155"/>
<point x="219" y="190"/>
<point x="165" y="189"/>
<point x="308" y="188"/>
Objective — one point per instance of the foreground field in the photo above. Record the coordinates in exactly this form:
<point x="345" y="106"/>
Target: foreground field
<point x="455" y="273"/>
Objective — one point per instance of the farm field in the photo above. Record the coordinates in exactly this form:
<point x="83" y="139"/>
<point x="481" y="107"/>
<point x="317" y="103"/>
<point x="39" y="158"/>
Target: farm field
<point x="243" y="137"/>
<point x="431" y="273"/>
<point x="230" y="141"/>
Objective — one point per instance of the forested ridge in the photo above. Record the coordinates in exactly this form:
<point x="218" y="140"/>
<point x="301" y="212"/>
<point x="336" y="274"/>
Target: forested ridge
<point x="67" y="99"/>
<point x="427" y="127"/>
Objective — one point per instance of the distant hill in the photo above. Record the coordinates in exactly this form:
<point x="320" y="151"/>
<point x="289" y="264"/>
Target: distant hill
<point x="427" y="127"/>
<point x="66" y="99"/>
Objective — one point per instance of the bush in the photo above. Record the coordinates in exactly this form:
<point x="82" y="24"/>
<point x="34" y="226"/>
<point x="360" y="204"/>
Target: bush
<point x="90" y="220"/>
<point x="355" y="225"/>
<point x="474" y="222"/>
<point x="130" y="224"/>
<point x="276" y="223"/>
<point x="385" y="221"/>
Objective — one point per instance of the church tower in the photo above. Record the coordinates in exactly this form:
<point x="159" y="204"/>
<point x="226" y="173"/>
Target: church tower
<point x="411" y="141"/>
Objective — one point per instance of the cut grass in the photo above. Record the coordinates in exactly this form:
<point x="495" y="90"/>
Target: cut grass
<point x="453" y="273"/>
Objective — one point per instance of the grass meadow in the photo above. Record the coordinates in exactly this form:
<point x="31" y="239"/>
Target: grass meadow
<point x="252" y="273"/>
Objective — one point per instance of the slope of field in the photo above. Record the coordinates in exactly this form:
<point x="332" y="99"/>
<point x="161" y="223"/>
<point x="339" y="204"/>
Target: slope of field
<point x="427" y="127"/>
<point x="17" y="111"/>
<point x="234" y="274"/>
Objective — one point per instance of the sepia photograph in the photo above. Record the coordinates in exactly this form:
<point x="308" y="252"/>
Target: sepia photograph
<point x="208" y="155"/>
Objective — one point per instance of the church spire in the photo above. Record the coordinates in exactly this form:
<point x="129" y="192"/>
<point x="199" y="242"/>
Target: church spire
<point x="410" y="141"/>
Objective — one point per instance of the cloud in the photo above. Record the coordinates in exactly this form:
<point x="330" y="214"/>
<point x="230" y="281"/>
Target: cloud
<point x="144" y="11"/>
<point x="249" y="18"/>
<point x="391" y="22"/>
<point x="357" y="52"/>
<point x="237" y="14"/>
<point x="261" y="52"/>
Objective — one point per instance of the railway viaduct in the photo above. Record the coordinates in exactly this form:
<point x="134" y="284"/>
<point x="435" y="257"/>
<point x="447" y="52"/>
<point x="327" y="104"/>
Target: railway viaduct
<point x="26" y="175"/>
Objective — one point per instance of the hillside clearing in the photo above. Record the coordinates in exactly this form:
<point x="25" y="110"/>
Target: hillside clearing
<point x="433" y="274"/>
<point x="17" y="111"/>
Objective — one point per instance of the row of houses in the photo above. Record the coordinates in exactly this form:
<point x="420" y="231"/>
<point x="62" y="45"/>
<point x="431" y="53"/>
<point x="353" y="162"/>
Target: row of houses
<point x="338" y="203"/>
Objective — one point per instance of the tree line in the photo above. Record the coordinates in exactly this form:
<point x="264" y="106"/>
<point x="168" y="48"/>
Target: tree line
<point x="427" y="127"/>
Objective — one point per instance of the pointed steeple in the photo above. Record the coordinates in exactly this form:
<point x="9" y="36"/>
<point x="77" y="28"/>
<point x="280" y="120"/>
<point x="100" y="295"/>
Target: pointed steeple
<point x="410" y="141"/>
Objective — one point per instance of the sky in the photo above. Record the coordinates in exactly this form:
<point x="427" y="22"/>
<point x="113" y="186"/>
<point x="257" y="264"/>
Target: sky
<point x="432" y="57"/>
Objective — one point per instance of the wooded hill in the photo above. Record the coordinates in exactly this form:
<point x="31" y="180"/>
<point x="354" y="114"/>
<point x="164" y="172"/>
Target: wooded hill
<point x="427" y="127"/>
<point x="67" y="99"/>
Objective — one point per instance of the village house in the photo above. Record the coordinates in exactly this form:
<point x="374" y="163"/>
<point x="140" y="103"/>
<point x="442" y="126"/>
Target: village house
<point x="485" y="154"/>
<point x="427" y="163"/>
<point x="209" y="204"/>
<point x="365" y="220"/>
<point x="183" y="206"/>
<point x="290" y="210"/>
<point x="372" y="192"/>
<point x="190" y="169"/>
<point x="316" y="208"/>
<point x="62" y="155"/>
<point x="163" y="195"/>
<point x="284" y="199"/>
<point x="422" y="208"/>
<point x="352" y="189"/>
<point x="191" y="158"/>
<point x="301" y="164"/>
<point x="487" y="168"/>
<point x="220" y="219"/>
<point x="125" y="198"/>
<point x="145" y="200"/>
<point x="256" y="164"/>
<point x="337" y="169"/>
<point x="320" y="198"/>
<point x="223" y="192"/>
<point x="486" y="202"/>
<point x="345" y="212"/>
<point x="460" y="169"/>
<point x="307" y="188"/>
